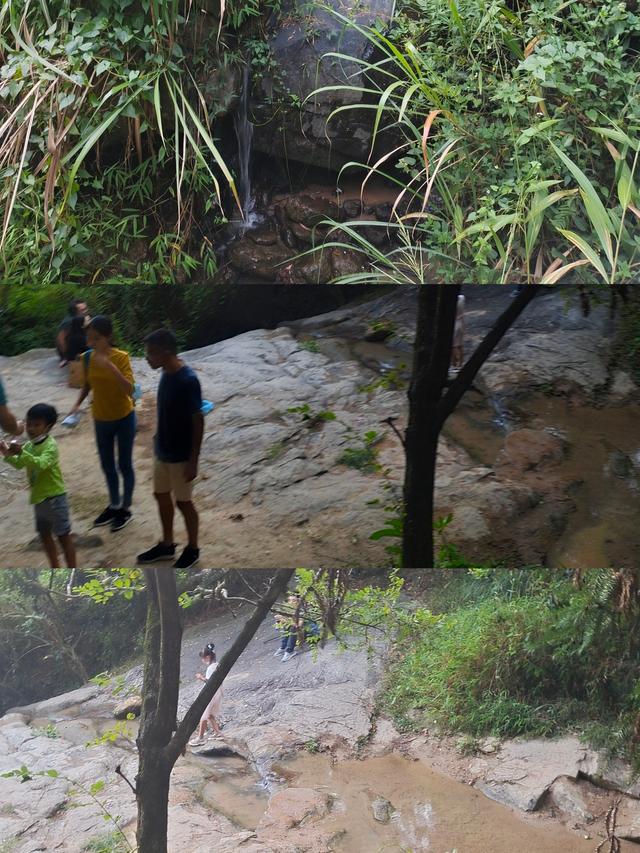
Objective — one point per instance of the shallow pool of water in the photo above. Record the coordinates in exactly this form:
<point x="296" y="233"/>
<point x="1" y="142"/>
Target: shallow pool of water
<point x="428" y="811"/>
<point x="602" y="463"/>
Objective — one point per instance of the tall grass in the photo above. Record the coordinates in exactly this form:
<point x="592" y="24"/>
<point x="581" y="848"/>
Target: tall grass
<point x="485" y="158"/>
<point x="76" y="80"/>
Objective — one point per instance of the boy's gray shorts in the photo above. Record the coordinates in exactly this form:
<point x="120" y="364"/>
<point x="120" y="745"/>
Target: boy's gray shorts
<point x="52" y="516"/>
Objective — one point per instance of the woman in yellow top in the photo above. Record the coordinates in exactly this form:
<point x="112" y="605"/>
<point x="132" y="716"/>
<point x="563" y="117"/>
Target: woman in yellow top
<point x="109" y="376"/>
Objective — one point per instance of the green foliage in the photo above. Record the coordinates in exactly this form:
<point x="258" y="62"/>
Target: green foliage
<point x="110" y="842"/>
<point x="311" y="417"/>
<point x="310" y="346"/>
<point x="31" y="314"/>
<point x="49" y="731"/>
<point x="500" y="109"/>
<point x="392" y="380"/>
<point x="364" y="458"/>
<point x="119" y="731"/>
<point x="49" y="645"/>
<point x="526" y="653"/>
<point x="89" y="85"/>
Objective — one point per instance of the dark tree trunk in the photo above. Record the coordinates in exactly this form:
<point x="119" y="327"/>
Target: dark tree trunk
<point x="158" y="746"/>
<point x="432" y="400"/>
<point x="437" y="306"/>
<point x="161" y="652"/>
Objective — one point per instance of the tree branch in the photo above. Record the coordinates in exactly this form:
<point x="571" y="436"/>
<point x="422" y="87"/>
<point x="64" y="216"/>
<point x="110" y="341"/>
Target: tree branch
<point x="464" y="381"/>
<point x="192" y="717"/>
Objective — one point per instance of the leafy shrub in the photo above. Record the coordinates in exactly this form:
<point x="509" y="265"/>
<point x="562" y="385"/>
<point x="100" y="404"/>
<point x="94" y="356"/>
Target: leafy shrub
<point x="530" y="656"/>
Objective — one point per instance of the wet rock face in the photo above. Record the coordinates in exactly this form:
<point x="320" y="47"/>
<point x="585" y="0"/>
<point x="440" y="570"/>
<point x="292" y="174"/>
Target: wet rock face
<point x="278" y="250"/>
<point x="300" y="66"/>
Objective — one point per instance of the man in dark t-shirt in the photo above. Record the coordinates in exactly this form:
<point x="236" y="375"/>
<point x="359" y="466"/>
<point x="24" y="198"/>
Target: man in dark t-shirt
<point x="77" y="309"/>
<point x="177" y="445"/>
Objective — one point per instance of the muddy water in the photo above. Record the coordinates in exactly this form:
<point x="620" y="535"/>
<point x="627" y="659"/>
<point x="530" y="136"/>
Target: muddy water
<point x="428" y="811"/>
<point x="602" y="462"/>
<point x="602" y="465"/>
<point x="232" y="789"/>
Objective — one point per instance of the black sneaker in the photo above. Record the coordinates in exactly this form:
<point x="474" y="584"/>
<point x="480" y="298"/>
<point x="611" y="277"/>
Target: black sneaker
<point x="106" y="517"/>
<point x="158" y="553"/>
<point x="121" y="520"/>
<point x="187" y="559"/>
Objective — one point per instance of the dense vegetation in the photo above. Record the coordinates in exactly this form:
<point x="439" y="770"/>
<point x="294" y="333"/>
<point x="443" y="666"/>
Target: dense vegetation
<point x="512" y="131"/>
<point x="527" y="652"/>
<point x="199" y="314"/>
<point x="109" y="170"/>
<point x="49" y="644"/>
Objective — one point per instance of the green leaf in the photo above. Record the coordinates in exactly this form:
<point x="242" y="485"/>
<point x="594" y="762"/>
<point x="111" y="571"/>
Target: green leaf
<point x="595" y="209"/>
<point x="586" y="250"/>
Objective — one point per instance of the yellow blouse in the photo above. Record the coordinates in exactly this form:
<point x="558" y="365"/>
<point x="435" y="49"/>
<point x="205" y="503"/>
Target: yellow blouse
<point x="110" y="402"/>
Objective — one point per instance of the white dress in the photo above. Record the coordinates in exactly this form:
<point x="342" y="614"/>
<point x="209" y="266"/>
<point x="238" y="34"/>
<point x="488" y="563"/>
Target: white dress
<point x="213" y="708"/>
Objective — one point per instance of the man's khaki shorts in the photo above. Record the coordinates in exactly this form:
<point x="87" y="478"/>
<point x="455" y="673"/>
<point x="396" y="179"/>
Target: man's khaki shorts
<point x="169" y="477"/>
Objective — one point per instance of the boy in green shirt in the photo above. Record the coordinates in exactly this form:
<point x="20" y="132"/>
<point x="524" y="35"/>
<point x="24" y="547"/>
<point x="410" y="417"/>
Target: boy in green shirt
<point x="48" y="495"/>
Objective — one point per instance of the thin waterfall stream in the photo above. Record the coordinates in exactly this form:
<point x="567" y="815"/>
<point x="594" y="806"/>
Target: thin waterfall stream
<point x="244" y="134"/>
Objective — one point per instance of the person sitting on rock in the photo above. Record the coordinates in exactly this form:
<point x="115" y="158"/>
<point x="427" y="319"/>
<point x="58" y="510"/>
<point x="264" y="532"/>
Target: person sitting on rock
<point x="292" y="628"/>
<point x="77" y="309"/>
<point x="211" y="713"/>
<point x="77" y="338"/>
<point x="39" y="456"/>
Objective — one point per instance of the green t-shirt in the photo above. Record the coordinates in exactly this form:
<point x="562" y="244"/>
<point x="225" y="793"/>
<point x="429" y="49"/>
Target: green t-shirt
<point x="43" y="469"/>
<point x="3" y="396"/>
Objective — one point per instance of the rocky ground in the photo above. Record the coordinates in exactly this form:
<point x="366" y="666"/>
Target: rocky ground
<point x="304" y="765"/>
<point x="274" y="490"/>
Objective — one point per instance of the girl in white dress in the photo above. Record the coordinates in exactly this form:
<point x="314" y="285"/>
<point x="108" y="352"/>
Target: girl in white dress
<point x="212" y="711"/>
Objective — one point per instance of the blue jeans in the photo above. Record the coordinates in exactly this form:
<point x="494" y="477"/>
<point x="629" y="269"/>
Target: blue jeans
<point x="289" y="640"/>
<point x="124" y="432"/>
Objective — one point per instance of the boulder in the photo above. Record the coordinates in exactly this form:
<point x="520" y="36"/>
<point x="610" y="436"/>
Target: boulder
<point x="131" y="705"/>
<point x="298" y="47"/>
<point x="566" y="795"/>
<point x="258" y="261"/>
<point x="527" y="449"/>
<point x="525" y="770"/>
<point x="382" y="810"/>
<point x="58" y="704"/>
<point x="291" y="807"/>
<point x="628" y="820"/>
<point x="311" y="209"/>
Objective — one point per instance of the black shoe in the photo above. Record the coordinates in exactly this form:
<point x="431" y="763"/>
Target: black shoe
<point x="121" y="520"/>
<point x="106" y="517"/>
<point x="187" y="559"/>
<point x="158" y="553"/>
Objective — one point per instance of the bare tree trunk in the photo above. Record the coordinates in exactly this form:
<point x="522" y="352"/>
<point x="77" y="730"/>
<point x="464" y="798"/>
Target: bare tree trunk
<point x="158" y="746"/>
<point x="432" y="401"/>
<point x="437" y="306"/>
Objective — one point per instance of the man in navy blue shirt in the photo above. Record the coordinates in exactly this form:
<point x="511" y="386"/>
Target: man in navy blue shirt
<point x="177" y="447"/>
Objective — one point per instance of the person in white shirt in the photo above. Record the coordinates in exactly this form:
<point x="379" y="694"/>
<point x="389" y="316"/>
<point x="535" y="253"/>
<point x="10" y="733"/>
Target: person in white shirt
<point x="212" y="711"/>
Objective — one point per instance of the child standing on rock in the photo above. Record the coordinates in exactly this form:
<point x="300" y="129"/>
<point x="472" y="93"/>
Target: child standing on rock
<point x="212" y="712"/>
<point x="39" y="456"/>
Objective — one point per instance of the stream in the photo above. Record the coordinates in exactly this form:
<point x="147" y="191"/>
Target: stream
<point x="600" y="469"/>
<point x="424" y="810"/>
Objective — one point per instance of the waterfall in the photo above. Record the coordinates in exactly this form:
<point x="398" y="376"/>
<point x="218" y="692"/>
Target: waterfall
<point x="244" y="134"/>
